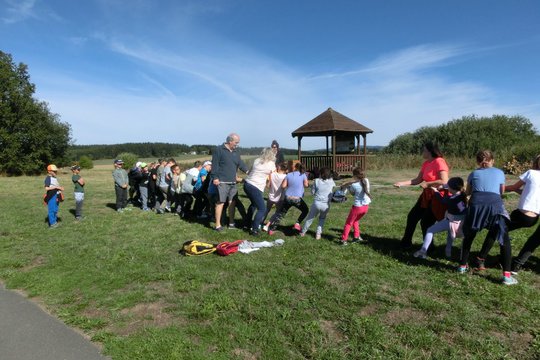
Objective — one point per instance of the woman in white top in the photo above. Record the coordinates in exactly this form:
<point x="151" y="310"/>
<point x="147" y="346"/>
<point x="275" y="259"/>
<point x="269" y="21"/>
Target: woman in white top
<point x="254" y="188"/>
<point x="526" y="215"/>
<point x="530" y="203"/>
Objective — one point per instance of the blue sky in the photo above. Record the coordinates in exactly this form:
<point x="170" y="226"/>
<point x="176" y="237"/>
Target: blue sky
<point x="193" y="71"/>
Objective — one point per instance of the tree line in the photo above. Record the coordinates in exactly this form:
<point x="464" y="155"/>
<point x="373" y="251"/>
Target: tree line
<point x="151" y="150"/>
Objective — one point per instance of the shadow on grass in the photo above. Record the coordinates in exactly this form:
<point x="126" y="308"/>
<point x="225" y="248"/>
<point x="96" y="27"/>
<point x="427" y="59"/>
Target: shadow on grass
<point x="111" y="206"/>
<point x="391" y="247"/>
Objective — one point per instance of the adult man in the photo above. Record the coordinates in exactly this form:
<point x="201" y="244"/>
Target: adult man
<point x="120" y="185"/>
<point x="225" y="163"/>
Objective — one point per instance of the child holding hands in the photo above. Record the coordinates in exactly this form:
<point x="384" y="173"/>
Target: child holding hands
<point x="456" y="202"/>
<point x="322" y="193"/>
<point x="359" y="187"/>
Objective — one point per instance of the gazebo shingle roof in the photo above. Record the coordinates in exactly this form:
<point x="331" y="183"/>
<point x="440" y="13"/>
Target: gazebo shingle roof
<point x="328" y="122"/>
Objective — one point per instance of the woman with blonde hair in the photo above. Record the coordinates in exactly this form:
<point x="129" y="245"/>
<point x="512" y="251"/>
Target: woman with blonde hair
<point x="254" y="186"/>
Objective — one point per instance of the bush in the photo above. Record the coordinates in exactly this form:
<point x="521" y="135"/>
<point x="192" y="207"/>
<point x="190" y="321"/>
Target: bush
<point x="129" y="159"/>
<point x="466" y="136"/>
<point x="86" y="163"/>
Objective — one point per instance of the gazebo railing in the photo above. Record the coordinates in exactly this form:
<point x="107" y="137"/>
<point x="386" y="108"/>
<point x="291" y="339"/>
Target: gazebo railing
<point x="343" y="163"/>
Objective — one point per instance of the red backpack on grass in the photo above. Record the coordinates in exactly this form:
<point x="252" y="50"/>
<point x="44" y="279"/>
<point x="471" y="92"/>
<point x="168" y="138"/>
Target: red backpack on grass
<point x="228" y="247"/>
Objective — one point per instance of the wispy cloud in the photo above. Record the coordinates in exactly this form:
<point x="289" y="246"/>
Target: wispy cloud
<point x="405" y="61"/>
<point x="18" y="10"/>
<point x="261" y="98"/>
<point x="23" y="10"/>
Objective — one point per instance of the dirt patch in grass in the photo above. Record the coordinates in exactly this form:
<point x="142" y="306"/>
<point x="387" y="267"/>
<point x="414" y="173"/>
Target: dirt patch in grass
<point x="145" y="315"/>
<point x="368" y="310"/>
<point x="400" y="316"/>
<point x="245" y="354"/>
<point x="331" y="330"/>
<point x="37" y="261"/>
<point x="517" y="342"/>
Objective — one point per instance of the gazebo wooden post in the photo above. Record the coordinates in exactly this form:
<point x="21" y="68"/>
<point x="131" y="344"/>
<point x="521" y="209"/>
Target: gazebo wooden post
<point x="364" y="163"/>
<point x="299" y="148"/>
<point x="327" y="149"/>
<point x="334" y="167"/>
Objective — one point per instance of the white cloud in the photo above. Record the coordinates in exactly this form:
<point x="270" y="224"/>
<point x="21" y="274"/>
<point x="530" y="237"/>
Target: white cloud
<point x="18" y="10"/>
<point x="262" y="99"/>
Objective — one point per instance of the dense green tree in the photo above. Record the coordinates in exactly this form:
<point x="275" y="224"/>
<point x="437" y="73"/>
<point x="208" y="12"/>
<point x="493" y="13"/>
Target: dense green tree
<point x="465" y="136"/>
<point x="31" y="136"/>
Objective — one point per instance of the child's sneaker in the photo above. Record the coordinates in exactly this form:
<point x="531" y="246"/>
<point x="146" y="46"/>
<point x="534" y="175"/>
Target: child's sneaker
<point x="420" y="254"/>
<point x="343" y="242"/>
<point x="358" y="240"/>
<point x="509" y="280"/>
<point x="297" y="227"/>
<point x="302" y="234"/>
<point x="271" y="232"/>
<point x="480" y="264"/>
<point x="265" y="227"/>
<point x="462" y="269"/>
<point x="318" y="236"/>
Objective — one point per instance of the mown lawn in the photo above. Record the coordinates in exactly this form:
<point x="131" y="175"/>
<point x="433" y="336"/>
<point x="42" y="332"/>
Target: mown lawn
<point x="119" y="278"/>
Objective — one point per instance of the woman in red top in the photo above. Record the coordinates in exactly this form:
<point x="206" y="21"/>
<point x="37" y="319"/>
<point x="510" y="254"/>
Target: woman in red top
<point x="434" y="172"/>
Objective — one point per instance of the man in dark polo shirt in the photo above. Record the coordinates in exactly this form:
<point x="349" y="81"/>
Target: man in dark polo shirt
<point x="225" y="162"/>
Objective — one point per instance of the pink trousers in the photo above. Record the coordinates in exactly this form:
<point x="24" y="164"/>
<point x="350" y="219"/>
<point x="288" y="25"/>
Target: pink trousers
<point x="356" y="213"/>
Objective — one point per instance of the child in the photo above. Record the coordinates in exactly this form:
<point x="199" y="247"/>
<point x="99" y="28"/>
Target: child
<point x="456" y="202"/>
<point x="53" y="197"/>
<point x="275" y="195"/>
<point x="294" y="184"/>
<point x="144" y="182"/>
<point x="359" y="187"/>
<point x="322" y="194"/>
<point x="178" y="178"/>
<point x="78" y="183"/>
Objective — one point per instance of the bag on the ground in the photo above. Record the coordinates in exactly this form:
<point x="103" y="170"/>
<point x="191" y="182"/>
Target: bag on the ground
<point x="228" y="247"/>
<point x="339" y="196"/>
<point x="196" y="248"/>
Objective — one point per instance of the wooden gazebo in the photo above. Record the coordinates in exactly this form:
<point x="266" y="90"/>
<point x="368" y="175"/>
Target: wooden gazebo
<point x="345" y="133"/>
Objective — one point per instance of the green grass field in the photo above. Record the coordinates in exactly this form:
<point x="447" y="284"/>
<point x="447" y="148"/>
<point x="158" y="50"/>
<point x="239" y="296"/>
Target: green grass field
<point x="119" y="279"/>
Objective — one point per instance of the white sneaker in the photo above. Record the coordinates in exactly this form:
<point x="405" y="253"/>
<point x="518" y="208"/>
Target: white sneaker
<point x="265" y="227"/>
<point x="420" y="254"/>
<point x="318" y="236"/>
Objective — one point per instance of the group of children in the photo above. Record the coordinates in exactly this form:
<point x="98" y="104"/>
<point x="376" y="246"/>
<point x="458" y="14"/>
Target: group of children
<point x="287" y="190"/>
<point x="468" y="208"/>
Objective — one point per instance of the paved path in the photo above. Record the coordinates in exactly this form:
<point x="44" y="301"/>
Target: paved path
<point x="27" y="333"/>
